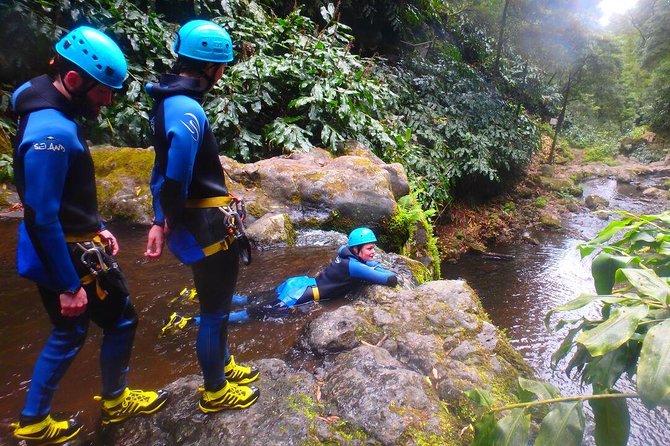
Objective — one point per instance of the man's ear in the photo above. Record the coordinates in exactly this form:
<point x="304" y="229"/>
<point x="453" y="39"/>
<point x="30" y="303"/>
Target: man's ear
<point x="72" y="80"/>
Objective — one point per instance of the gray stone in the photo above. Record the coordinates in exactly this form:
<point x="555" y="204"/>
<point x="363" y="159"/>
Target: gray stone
<point x="371" y="389"/>
<point x="272" y="230"/>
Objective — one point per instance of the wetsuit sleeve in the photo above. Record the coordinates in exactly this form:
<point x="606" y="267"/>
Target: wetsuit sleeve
<point x="45" y="166"/>
<point x="372" y="274"/>
<point x="185" y="125"/>
<point x="155" y="185"/>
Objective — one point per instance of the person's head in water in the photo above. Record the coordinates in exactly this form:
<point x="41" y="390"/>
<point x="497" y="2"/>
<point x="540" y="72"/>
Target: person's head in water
<point x="203" y="49"/>
<point x="89" y="66"/>
<point x="362" y="243"/>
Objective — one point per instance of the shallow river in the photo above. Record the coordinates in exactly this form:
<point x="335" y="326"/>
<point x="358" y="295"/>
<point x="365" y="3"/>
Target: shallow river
<point x="516" y="293"/>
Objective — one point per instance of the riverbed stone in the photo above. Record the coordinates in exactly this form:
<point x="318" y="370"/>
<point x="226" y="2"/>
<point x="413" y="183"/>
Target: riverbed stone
<point x="272" y="230"/>
<point x="375" y="392"/>
<point x="315" y="188"/>
<point x="280" y="417"/>
<point x="596" y="202"/>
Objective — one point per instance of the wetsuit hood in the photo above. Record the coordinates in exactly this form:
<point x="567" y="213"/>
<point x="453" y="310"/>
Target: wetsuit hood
<point x="39" y="94"/>
<point x="172" y="84"/>
<point x="345" y="253"/>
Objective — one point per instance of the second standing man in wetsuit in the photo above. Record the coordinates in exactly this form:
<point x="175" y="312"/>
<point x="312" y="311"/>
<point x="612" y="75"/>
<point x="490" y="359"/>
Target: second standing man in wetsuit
<point x="191" y="205"/>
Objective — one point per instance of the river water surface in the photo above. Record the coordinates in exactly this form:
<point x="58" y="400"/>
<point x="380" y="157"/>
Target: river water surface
<point x="517" y="294"/>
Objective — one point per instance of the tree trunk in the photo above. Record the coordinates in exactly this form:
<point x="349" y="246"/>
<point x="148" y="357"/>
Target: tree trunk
<point x="523" y="88"/>
<point x="503" y="21"/>
<point x="561" y="116"/>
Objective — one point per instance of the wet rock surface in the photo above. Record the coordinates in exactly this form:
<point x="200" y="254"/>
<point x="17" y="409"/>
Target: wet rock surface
<point x="393" y="368"/>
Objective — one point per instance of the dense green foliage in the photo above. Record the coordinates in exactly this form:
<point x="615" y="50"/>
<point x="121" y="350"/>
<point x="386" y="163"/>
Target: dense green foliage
<point x="298" y="83"/>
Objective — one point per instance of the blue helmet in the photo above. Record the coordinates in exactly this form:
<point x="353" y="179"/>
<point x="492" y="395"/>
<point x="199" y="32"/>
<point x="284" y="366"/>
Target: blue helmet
<point x="361" y="236"/>
<point x="96" y="54"/>
<point x="204" y="40"/>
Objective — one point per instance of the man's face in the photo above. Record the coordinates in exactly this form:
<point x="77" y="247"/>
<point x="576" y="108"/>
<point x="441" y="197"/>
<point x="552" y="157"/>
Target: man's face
<point x="97" y="97"/>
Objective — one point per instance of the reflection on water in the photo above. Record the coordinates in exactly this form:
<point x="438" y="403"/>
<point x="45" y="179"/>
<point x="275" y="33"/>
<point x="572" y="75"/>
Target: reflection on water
<point x="24" y="325"/>
<point x="517" y="295"/>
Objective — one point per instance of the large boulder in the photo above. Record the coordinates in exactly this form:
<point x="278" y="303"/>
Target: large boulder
<point x="394" y="368"/>
<point x="317" y="189"/>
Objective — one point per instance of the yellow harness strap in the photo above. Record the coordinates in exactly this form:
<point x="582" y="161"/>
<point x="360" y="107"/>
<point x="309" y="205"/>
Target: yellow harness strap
<point x="90" y="278"/>
<point x="81" y="238"/>
<point x="211" y="202"/>
<point x="315" y="293"/>
<point x="223" y="245"/>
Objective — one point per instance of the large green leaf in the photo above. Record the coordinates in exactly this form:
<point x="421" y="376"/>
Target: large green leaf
<point x="513" y="429"/>
<point x="485" y="431"/>
<point x="606" y="370"/>
<point x="614" y="331"/>
<point x="653" y="371"/>
<point x="480" y="396"/>
<point x="563" y="426"/>
<point x="603" y="270"/>
<point x="648" y="283"/>
<point x="604" y="235"/>
<point x="542" y="390"/>
<point x="582" y="301"/>
<point x="612" y="421"/>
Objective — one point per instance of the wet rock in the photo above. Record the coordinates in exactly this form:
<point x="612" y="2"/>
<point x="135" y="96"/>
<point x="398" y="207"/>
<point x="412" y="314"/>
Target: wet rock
<point x="392" y="358"/>
<point x="654" y="192"/>
<point x="334" y="333"/>
<point x="372" y="390"/>
<point x="315" y="188"/>
<point x="272" y="230"/>
<point x="280" y="417"/>
<point x="550" y="220"/>
<point x="596" y="202"/>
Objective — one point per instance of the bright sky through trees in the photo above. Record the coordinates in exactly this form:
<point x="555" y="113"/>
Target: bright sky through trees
<point x="611" y="7"/>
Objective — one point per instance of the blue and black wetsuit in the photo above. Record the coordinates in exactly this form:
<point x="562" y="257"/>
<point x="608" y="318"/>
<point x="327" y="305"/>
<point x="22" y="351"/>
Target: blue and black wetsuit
<point x="344" y="274"/>
<point x="188" y="188"/>
<point x="55" y="180"/>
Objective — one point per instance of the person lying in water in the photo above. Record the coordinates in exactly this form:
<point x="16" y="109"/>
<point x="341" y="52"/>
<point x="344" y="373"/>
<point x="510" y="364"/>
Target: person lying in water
<point x="353" y="268"/>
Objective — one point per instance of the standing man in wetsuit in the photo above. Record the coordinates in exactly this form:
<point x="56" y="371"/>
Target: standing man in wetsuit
<point x="62" y="244"/>
<point x="191" y="205"/>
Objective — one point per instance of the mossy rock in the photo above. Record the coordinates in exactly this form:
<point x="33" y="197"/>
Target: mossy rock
<point x="122" y="178"/>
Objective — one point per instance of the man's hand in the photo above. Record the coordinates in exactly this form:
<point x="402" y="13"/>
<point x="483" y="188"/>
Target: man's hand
<point x="73" y="304"/>
<point x="109" y="240"/>
<point x="155" y="242"/>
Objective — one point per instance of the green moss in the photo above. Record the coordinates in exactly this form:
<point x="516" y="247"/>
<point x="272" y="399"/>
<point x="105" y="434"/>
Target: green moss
<point x="410" y="232"/>
<point x="122" y="169"/>
<point x="540" y="202"/>
<point x="341" y="430"/>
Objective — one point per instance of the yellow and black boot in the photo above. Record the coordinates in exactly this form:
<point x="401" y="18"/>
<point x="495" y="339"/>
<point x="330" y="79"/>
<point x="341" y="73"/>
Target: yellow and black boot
<point x="231" y="396"/>
<point x="47" y="431"/>
<point x="240" y="374"/>
<point x="131" y="403"/>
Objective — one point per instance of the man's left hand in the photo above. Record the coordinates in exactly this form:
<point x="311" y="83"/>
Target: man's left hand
<point x="109" y="240"/>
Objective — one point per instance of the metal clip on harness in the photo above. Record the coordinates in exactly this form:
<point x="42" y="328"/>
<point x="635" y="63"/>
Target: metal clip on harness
<point x="233" y="221"/>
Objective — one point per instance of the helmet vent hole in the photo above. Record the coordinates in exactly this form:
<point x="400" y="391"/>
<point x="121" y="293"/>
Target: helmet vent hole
<point x="81" y="42"/>
<point x="98" y="66"/>
<point x="94" y="57"/>
<point x="67" y="44"/>
<point x="85" y="51"/>
<point x="204" y="43"/>
<point x="109" y="71"/>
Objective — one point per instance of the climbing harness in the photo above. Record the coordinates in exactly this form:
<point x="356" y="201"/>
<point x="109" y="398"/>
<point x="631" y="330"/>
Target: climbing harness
<point x="102" y="267"/>
<point x="234" y="213"/>
<point x="234" y="222"/>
